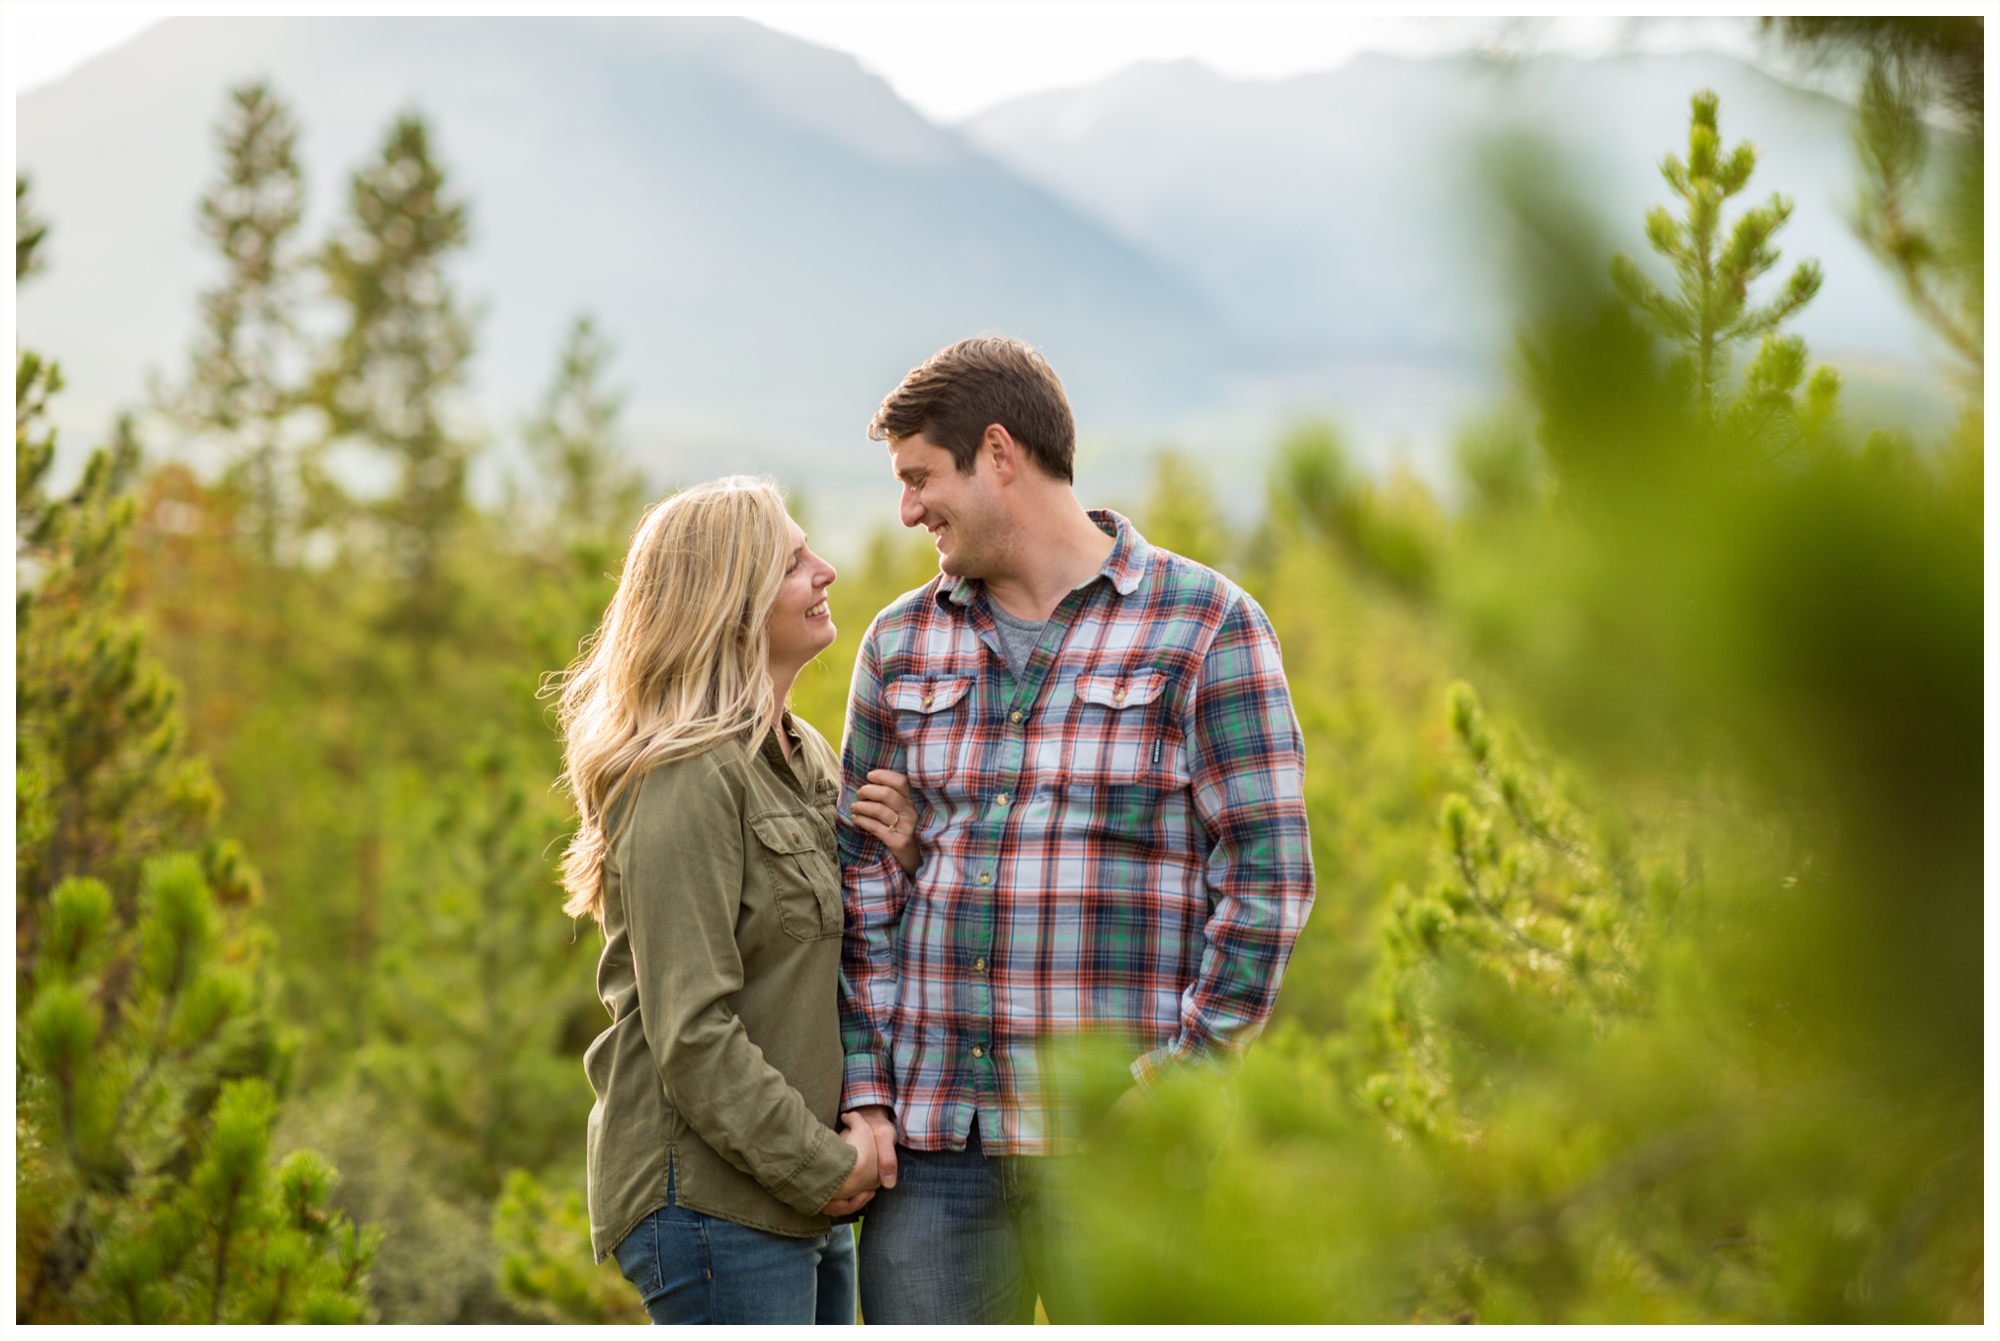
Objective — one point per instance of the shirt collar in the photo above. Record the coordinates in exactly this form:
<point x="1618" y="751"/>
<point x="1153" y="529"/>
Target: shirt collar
<point x="1124" y="568"/>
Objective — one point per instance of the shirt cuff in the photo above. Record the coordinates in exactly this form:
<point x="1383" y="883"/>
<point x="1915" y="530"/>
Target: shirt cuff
<point x="809" y="1189"/>
<point x="1150" y="1069"/>
<point x="866" y="1082"/>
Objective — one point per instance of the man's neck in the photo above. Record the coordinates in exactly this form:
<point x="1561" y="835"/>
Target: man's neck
<point x="1053" y="555"/>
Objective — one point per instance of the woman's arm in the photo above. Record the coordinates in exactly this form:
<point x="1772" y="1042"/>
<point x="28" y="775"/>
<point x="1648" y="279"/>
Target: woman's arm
<point x="682" y="858"/>
<point x="884" y="808"/>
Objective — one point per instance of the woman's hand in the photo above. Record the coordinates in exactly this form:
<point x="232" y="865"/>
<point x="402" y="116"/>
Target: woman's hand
<point x="884" y="808"/>
<point x="859" y="1188"/>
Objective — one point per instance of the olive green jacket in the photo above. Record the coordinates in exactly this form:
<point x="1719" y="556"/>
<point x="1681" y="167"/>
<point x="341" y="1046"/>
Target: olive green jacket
<point x="721" y="965"/>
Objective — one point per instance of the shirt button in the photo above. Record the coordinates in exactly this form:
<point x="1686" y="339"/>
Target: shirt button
<point x="1117" y="696"/>
<point x="1014" y="716"/>
<point x="986" y="877"/>
<point x="979" y="965"/>
<point x="1000" y="800"/>
<point x="978" y="1051"/>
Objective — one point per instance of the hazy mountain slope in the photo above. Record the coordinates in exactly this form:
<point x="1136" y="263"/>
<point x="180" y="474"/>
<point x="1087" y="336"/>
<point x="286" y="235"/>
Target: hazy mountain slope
<point x="1339" y="216"/>
<point x="772" y="237"/>
<point x="769" y="234"/>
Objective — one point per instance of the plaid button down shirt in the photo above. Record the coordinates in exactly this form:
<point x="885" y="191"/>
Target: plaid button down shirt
<point x="1114" y="846"/>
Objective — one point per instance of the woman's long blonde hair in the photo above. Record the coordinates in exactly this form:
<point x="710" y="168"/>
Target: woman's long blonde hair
<point x="679" y="664"/>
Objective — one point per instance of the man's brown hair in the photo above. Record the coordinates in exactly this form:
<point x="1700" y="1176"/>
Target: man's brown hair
<point x="954" y="394"/>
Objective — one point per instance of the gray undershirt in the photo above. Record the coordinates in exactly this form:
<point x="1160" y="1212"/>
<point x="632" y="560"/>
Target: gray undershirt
<point x="1017" y="637"/>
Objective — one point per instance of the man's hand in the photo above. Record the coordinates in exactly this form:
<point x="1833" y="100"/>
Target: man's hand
<point x="859" y="1187"/>
<point x="1129" y="1106"/>
<point x="884" y="1128"/>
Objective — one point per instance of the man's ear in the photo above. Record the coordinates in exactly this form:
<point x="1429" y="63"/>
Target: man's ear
<point x="997" y="445"/>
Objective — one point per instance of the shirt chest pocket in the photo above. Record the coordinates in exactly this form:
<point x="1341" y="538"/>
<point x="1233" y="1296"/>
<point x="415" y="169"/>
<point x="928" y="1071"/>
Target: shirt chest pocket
<point x="931" y="726"/>
<point x="804" y="878"/>
<point x="1119" y="735"/>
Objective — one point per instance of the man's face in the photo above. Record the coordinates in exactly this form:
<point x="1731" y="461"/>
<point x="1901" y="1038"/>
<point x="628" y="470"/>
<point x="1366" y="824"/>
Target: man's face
<point x="962" y="512"/>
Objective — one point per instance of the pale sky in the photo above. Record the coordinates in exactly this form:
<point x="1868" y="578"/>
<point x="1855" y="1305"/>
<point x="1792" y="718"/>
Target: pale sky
<point x="952" y="60"/>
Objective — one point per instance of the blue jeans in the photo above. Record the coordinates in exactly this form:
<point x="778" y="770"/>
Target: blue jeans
<point x="697" y="1268"/>
<point x="964" y="1238"/>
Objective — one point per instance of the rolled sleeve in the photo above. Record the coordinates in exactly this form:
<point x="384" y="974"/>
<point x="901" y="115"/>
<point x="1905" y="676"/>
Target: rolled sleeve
<point x="874" y="891"/>
<point x="1247" y="764"/>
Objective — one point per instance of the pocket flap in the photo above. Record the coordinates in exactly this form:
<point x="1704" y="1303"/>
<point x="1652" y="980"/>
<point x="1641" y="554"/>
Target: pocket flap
<point x="784" y="833"/>
<point x="1121" y="691"/>
<point x="911" y="694"/>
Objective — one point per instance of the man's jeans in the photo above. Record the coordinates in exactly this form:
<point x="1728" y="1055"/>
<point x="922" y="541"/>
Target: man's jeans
<point x="963" y="1238"/>
<point x="691" y="1267"/>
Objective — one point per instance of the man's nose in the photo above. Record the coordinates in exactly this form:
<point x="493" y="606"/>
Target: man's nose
<point x="912" y="510"/>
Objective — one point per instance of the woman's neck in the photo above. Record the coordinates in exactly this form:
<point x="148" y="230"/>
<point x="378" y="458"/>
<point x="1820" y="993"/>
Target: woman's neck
<point x="781" y="688"/>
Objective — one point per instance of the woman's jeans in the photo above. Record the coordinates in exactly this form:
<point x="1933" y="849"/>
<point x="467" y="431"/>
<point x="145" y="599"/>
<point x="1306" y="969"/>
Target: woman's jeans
<point x="691" y="1267"/>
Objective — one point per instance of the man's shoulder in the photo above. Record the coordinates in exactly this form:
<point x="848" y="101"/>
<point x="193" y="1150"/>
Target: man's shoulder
<point x="1178" y="587"/>
<point x="905" y="618"/>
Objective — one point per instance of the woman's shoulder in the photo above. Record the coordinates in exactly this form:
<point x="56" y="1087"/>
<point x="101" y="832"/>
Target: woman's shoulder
<point x="721" y="760"/>
<point x="713" y="778"/>
<point x="822" y="753"/>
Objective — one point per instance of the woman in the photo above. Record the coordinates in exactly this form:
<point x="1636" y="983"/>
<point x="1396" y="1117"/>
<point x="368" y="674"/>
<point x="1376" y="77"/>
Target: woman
<point x="706" y="850"/>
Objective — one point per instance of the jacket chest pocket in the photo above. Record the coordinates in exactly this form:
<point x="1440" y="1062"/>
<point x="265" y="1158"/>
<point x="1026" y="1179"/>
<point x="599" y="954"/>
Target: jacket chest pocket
<point x="805" y="879"/>
<point x="1119" y="735"/>
<point x="931" y="726"/>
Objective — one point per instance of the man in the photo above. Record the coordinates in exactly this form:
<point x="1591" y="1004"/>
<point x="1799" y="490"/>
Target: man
<point x="1108" y="775"/>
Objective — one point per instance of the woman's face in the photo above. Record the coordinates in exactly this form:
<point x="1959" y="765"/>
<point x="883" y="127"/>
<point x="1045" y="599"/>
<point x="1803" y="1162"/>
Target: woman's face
<point x="801" y="624"/>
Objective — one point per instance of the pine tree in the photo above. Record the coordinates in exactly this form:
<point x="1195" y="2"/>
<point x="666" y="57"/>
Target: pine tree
<point x="1918" y="70"/>
<point x="1711" y="312"/>
<point x="481" y="980"/>
<point x="144" y="1183"/>
<point x="574" y="442"/>
<point x="244" y="379"/>
<point x="547" y="1269"/>
<point x="387" y="380"/>
<point x="29" y="233"/>
<point x="1525" y="899"/>
<point x="1392" y="528"/>
<point x="1181" y="514"/>
<point x="102" y="779"/>
<point x="1934" y="249"/>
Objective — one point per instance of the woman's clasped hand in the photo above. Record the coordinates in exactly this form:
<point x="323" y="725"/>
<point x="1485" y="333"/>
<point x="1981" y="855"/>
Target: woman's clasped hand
<point x="868" y="1173"/>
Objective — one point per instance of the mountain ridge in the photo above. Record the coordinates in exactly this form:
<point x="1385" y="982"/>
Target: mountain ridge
<point x="771" y="237"/>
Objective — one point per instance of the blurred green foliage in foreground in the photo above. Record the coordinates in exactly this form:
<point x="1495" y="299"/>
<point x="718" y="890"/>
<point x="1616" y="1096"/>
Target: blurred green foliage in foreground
<point x="1643" y="982"/>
